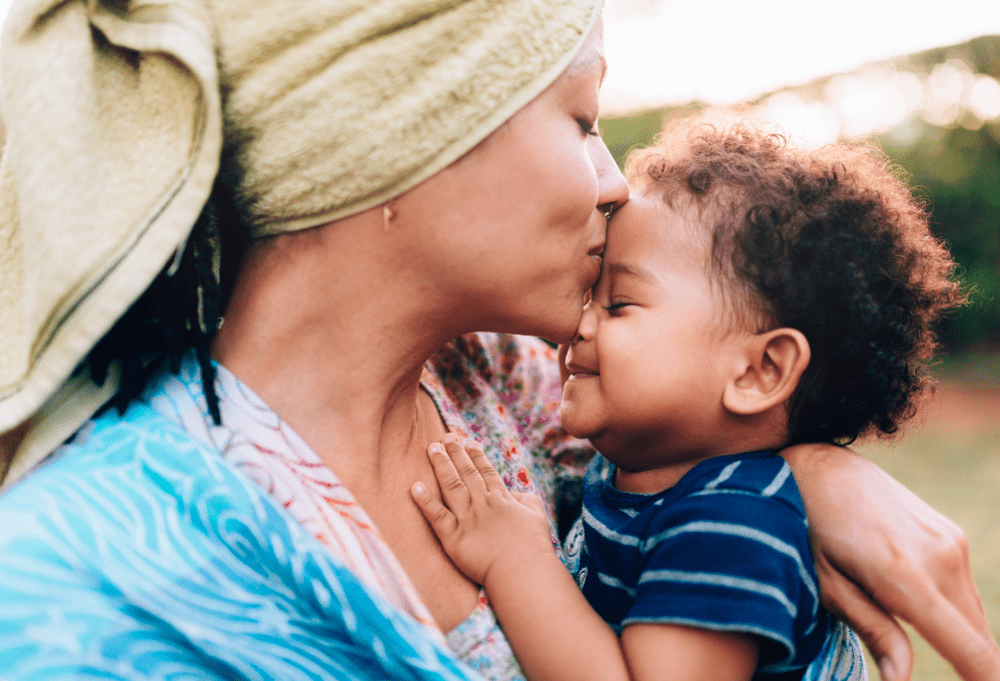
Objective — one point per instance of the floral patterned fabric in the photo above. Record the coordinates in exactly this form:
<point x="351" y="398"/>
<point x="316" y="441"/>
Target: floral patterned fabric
<point x="504" y="392"/>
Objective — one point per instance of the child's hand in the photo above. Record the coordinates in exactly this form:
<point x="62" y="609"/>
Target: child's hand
<point x="482" y="525"/>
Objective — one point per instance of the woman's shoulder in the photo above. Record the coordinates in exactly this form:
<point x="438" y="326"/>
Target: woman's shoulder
<point x="115" y="476"/>
<point x="108" y="442"/>
<point x="163" y="542"/>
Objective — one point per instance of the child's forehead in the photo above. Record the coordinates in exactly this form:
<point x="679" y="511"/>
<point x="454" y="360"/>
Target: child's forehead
<point x="672" y="243"/>
<point x="647" y="224"/>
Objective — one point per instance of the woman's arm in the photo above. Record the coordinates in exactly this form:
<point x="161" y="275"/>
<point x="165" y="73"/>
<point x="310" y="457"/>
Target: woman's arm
<point x="882" y="553"/>
<point x="501" y="540"/>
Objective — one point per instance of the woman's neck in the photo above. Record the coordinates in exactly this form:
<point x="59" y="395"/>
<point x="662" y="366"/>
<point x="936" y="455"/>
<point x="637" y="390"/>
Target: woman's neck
<point x="332" y="330"/>
<point x="331" y="327"/>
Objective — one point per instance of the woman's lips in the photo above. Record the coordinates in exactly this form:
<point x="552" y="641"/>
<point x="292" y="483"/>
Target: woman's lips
<point x="598" y="249"/>
<point x="595" y="274"/>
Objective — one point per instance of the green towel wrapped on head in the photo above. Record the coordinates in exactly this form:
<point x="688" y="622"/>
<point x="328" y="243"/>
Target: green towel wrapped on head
<point x="121" y="114"/>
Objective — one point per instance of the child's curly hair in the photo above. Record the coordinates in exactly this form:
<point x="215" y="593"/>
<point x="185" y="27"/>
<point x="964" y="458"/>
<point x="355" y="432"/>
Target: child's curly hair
<point x="826" y="241"/>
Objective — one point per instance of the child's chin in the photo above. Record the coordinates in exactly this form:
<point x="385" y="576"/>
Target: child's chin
<point x="575" y="426"/>
<point x="568" y="421"/>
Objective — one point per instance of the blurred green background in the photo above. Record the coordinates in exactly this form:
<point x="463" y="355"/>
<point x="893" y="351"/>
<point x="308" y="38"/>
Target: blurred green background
<point x="951" y="459"/>
<point x="950" y="456"/>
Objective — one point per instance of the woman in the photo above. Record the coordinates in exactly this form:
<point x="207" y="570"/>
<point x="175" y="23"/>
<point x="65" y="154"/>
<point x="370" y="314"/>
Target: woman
<point x="413" y="171"/>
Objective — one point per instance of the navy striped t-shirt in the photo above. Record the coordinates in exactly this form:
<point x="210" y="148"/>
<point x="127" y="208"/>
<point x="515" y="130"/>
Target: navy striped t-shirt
<point x="725" y="549"/>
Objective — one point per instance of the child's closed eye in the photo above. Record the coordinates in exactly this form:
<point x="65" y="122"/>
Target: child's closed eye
<point x="616" y="307"/>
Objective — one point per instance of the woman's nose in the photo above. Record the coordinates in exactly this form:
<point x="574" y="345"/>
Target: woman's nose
<point x="611" y="185"/>
<point x="588" y="323"/>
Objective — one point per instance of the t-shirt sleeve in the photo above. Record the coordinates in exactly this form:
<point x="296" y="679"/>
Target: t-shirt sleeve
<point x="740" y="563"/>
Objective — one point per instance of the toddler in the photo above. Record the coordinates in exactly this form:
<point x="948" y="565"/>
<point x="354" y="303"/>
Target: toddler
<point x="754" y="295"/>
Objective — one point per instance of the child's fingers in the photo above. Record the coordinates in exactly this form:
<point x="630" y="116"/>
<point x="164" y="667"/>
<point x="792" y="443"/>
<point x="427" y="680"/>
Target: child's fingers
<point x="467" y="471"/>
<point x="492" y="479"/>
<point x="442" y="521"/>
<point x="453" y="488"/>
<point x="531" y="501"/>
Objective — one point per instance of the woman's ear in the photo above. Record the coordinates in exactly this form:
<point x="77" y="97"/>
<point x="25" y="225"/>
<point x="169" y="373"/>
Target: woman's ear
<point x="772" y="364"/>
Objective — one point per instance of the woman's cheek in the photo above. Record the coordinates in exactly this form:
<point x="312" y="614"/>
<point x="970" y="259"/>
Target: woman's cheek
<point x="560" y="313"/>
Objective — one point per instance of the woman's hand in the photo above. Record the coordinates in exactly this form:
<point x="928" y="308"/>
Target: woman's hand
<point x="883" y="553"/>
<point x="481" y="524"/>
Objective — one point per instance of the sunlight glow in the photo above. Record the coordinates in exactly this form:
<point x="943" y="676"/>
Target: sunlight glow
<point x="878" y="100"/>
<point x="725" y="51"/>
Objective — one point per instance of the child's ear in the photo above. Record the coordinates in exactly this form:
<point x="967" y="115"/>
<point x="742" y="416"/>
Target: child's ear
<point x="771" y="366"/>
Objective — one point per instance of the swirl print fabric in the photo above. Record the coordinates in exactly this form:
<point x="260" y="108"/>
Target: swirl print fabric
<point x="136" y="553"/>
<point x="840" y="658"/>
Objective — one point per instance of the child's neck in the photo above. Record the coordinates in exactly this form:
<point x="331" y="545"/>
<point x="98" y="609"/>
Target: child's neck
<point x="653" y="480"/>
<point x="659" y="478"/>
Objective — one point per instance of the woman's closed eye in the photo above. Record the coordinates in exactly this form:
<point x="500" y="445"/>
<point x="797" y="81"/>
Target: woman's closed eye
<point x="589" y="127"/>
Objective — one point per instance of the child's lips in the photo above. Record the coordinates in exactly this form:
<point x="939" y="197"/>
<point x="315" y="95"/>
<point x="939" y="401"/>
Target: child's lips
<point x="580" y="372"/>
<point x="572" y="368"/>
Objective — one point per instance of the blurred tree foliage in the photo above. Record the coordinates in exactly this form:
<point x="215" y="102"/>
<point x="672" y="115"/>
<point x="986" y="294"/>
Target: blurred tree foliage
<point x="956" y="170"/>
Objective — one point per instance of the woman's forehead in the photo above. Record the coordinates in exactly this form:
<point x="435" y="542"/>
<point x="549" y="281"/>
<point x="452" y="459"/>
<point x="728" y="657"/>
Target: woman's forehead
<point x="591" y="53"/>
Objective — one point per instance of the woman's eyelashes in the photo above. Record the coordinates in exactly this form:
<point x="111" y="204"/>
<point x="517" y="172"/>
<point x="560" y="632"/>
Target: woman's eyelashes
<point x="589" y="127"/>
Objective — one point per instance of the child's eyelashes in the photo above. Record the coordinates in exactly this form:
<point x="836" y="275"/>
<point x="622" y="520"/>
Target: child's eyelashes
<point x="615" y="307"/>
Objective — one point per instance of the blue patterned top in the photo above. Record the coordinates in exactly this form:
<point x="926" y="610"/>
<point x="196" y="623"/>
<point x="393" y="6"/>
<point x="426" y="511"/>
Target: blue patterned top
<point x="137" y="553"/>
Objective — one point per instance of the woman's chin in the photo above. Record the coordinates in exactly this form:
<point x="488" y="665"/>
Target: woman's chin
<point x="562" y="320"/>
<point x="558" y="335"/>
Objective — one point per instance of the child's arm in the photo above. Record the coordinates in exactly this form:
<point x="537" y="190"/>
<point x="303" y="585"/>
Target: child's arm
<point x="501" y="540"/>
